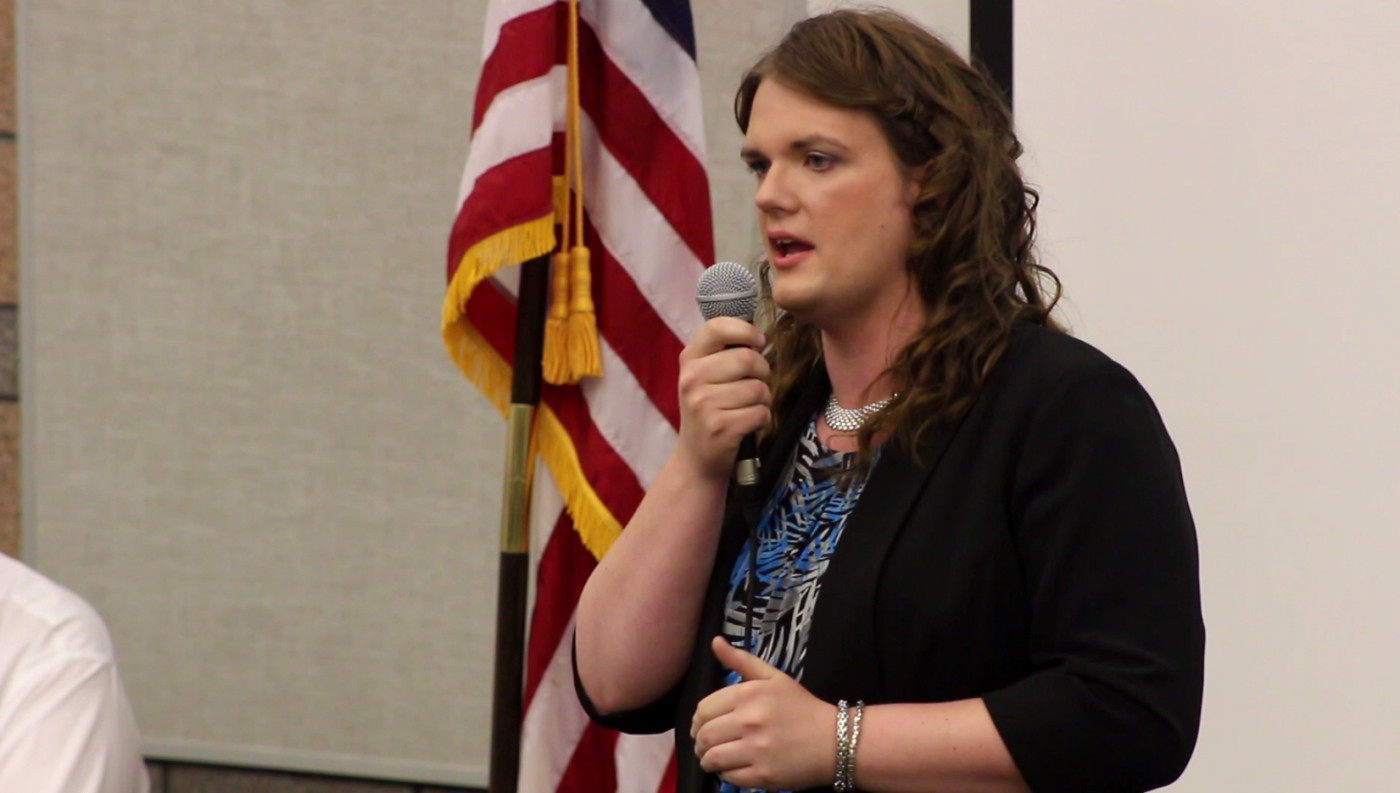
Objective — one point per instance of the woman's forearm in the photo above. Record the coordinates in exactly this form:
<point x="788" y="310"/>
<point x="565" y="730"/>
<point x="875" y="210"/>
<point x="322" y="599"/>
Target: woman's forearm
<point x="935" y="747"/>
<point x="638" y="613"/>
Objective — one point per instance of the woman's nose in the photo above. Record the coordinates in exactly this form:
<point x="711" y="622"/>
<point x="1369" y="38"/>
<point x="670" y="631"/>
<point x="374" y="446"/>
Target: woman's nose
<point x="773" y="193"/>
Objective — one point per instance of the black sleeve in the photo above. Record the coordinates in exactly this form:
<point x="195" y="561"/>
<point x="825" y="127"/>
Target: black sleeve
<point x="1108" y="549"/>
<point x="658" y="716"/>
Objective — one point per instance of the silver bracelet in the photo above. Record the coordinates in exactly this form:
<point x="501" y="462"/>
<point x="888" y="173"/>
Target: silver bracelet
<point x="847" y="734"/>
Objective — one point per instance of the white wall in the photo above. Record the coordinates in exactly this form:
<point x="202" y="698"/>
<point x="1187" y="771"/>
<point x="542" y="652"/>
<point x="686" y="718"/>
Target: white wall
<point x="1221" y="186"/>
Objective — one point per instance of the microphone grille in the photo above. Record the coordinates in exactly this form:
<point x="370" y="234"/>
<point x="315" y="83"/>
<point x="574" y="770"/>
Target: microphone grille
<point x="727" y="289"/>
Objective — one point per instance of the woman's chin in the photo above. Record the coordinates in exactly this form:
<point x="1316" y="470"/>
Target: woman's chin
<point x="792" y="303"/>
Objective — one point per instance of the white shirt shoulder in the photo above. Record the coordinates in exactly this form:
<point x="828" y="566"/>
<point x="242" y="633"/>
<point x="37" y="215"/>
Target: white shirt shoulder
<point x="66" y="725"/>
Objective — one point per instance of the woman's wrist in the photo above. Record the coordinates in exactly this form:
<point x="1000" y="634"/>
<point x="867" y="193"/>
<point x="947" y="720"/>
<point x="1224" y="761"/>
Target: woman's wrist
<point x="698" y="467"/>
<point x="848" y="720"/>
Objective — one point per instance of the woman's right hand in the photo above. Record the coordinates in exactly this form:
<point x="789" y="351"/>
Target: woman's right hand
<point x="724" y="393"/>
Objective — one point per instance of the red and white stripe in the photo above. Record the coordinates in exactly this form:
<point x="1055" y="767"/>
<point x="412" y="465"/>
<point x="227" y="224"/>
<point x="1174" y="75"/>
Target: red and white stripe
<point x="649" y="230"/>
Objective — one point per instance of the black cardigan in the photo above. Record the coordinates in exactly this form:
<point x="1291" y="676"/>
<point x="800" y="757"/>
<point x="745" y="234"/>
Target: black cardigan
<point x="1040" y="554"/>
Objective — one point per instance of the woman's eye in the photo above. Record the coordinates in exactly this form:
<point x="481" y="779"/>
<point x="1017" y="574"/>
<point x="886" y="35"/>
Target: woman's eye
<point x="757" y="167"/>
<point x="818" y="161"/>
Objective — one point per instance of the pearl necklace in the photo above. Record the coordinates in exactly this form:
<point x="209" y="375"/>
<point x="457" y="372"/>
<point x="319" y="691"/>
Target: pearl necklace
<point x="851" y="419"/>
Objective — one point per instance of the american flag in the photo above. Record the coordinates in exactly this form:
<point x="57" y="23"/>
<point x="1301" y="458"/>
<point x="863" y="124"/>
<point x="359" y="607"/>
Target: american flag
<point x="647" y="223"/>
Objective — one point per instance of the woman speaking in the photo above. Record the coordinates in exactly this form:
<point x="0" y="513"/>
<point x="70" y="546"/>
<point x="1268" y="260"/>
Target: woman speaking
<point x="974" y="568"/>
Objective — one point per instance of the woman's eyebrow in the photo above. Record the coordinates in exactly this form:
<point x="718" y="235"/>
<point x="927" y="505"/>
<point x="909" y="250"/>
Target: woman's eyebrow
<point x="801" y="144"/>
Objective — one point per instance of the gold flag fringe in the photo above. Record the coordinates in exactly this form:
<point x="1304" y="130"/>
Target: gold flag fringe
<point x="519" y="243"/>
<point x="479" y="361"/>
<point x="596" y="526"/>
<point x="489" y="372"/>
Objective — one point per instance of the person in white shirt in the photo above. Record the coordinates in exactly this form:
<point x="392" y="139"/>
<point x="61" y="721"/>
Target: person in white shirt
<point x="65" y="723"/>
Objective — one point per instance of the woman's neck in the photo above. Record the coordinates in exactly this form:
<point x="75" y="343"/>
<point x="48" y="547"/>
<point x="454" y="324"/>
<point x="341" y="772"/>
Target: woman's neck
<point x="858" y="377"/>
<point x="858" y="356"/>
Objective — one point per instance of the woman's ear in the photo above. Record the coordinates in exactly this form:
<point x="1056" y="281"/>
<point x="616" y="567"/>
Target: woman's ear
<point x="914" y="185"/>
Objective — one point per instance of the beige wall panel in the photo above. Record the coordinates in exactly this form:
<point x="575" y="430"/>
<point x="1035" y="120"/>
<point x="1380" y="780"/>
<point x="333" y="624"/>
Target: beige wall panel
<point x="244" y="442"/>
<point x="950" y="19"/>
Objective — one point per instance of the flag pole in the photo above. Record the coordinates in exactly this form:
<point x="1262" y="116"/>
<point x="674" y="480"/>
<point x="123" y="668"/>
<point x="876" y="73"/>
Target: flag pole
<point x="512" y="586"/>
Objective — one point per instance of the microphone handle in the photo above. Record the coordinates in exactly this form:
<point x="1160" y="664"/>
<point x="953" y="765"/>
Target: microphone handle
<point x="746" y="469"/>
<point x="746" y="475"/>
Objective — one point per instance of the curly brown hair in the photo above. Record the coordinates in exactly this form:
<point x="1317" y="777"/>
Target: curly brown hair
<point x="973" y="257"/>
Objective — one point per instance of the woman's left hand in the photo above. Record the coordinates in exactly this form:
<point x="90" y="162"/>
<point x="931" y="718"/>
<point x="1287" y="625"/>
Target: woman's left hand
<point x="767" y="731"/>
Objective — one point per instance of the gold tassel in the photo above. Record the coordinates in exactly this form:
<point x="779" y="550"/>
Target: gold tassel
<point x="558" y="369"/>
<point x="585" y="359"/>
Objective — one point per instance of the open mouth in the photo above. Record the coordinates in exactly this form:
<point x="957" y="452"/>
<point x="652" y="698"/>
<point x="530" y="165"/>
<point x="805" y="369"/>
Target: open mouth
<point x="787" y="246"/>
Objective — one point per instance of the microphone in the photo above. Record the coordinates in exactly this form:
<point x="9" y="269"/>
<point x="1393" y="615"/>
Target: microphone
<point x="728" y="289"/>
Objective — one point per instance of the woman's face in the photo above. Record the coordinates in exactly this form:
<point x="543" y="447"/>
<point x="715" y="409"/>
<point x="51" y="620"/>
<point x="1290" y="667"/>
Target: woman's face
<point x="834" y="207"/>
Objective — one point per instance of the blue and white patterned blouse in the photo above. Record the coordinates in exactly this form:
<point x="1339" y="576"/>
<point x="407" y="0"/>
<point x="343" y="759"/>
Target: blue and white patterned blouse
<point x="797" y="535"/>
